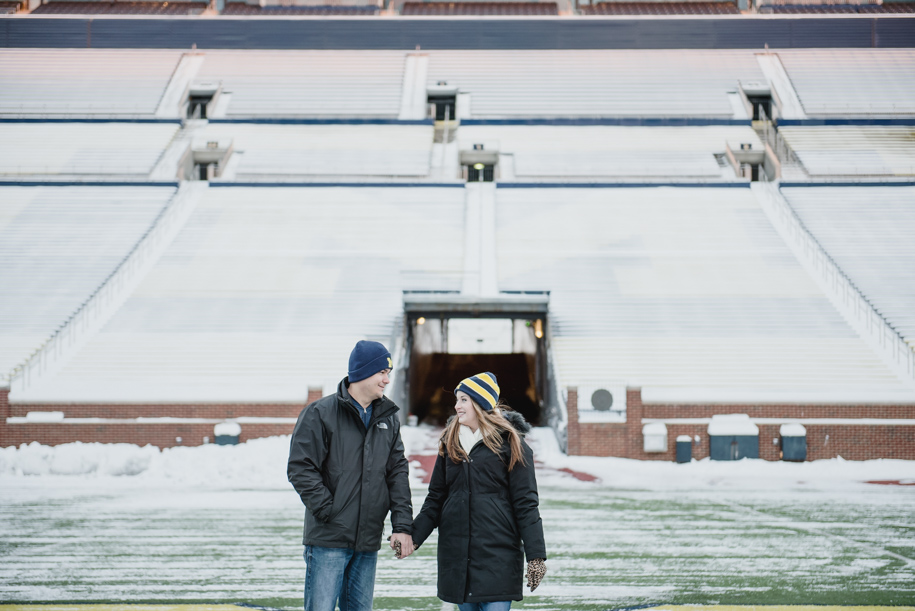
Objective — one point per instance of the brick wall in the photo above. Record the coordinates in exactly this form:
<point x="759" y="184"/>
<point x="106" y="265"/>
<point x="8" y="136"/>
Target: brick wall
<point x="163" y="435"/>
<point x="4" y="404"/>
<point x="850" y="441"/>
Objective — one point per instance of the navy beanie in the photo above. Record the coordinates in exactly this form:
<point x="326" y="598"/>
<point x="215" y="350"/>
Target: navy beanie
<point x="367" y="359"/>
<point x="482" y="388"/>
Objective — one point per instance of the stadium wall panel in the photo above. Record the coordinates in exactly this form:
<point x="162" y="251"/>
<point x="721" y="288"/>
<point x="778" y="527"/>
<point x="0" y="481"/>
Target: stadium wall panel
<point x="407" y="34"/>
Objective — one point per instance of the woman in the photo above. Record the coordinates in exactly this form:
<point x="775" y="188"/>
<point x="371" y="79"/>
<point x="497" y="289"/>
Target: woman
<point x="483" y="500"/>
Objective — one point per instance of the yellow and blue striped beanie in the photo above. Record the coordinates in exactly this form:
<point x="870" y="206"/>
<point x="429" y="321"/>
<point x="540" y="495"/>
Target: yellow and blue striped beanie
<point x="482" y="388"/>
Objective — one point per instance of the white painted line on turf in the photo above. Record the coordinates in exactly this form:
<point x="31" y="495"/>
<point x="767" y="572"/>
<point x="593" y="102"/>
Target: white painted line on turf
<point x="816" y="531"/>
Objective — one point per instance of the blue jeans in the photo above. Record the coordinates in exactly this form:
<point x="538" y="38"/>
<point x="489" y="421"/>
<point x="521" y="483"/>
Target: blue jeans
<point x="333" y="574"/>
<point x="502" y="605"/>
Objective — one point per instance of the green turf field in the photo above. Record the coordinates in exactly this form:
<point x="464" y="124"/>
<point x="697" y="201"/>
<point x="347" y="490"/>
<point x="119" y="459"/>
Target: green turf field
<point x="74" y="542"/>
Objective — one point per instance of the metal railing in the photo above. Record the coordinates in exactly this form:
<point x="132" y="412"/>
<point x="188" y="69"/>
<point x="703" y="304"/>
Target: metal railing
<point x="102" y="302"/>
<point x="850" y="300"/>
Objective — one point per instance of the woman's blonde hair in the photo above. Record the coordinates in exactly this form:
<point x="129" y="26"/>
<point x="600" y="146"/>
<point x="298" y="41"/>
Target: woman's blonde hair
<point x="492" y="425"/>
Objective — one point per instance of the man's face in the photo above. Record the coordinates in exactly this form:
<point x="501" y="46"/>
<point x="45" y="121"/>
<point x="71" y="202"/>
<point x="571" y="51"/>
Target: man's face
<point x="374" y="385"/>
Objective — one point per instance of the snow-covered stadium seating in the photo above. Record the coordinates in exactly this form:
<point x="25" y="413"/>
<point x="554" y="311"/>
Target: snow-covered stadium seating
<point x="550" y="153"/>
<point x="687" y="293"/>
<point x="264" y="292"/>
<point x="75" y="151"/>
<point x="665" y="83"/>
<point x="84" y="81"/>
<point x="852" y="150"/>
<point x="287" y="152"/>
<point x="870" y="233"/>
<point x="57" y="245"/>
<point x="308" y="83"/>
<point x="853" y="82"/>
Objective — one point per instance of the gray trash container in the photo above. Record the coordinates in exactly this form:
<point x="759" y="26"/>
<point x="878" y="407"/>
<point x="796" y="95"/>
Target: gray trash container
<point x="733" y="437"/>
<point x="793" y="442"/>
<point x="684" y="448"/>
<point x="227" y="433"/>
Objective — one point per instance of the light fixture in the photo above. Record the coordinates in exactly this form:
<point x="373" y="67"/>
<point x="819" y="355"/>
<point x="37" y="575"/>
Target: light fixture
<point x="478" y="166"/>
<point x="538" y="328"/>
<point x="421" y="320"/>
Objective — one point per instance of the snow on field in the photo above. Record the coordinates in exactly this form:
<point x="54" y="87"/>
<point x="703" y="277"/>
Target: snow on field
<point x="262" y="463"/>
<point x="82" y="522"/>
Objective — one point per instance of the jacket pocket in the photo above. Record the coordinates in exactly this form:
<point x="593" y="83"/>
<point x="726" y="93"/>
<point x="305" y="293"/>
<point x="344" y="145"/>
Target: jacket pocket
<point x="505" y="513"/>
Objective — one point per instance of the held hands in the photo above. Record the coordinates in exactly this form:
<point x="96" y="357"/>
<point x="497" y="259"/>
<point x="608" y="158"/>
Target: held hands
<point x="402" y="544"/>
<point x="536" y="569"/>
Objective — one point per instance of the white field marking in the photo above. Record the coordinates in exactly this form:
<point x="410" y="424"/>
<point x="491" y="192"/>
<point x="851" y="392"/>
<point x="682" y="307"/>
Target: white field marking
<point x="817" y="531"/>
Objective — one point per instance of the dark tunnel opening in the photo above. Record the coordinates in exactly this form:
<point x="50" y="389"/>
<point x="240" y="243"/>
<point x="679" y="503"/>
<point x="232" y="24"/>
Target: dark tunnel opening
<point x="434" y="371"/>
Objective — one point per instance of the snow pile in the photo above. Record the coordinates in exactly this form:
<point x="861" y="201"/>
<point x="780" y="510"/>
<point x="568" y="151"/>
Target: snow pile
<point x="261" y="463"/>
<point x="77" y="459"/>
<point x="705" y="474"/>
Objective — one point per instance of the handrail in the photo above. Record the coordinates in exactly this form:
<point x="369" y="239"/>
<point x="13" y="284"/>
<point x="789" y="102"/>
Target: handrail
<point x="866" y="320"/>
<point x="108" y="296"/>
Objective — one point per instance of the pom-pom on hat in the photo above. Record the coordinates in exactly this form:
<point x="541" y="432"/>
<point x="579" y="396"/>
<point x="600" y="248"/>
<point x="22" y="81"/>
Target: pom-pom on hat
<point x="367" y="359"/>
<point x="482" y="388"/>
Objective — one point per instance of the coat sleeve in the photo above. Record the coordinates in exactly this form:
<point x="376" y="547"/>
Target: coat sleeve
<point x="430" y="515"/>
<point x="307" y="451"/>
<point x="525" y="501"/>
<point x="397" y="477"/>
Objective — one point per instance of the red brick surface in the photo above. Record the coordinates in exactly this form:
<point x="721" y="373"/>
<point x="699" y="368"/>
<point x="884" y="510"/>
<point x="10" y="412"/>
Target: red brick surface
<point x="850" y="441"/>
<point x="163" y="435"/>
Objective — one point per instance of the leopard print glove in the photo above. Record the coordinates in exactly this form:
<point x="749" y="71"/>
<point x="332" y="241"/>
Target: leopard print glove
<point x="536" y="569"/>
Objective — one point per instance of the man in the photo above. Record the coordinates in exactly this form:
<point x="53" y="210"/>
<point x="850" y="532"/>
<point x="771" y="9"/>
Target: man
<point x="346" y="461"/>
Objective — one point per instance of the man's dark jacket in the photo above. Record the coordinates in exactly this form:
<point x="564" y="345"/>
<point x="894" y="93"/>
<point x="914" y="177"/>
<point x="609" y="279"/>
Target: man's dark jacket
<point x="487" y="519"/>
<point x="348" y="476"/>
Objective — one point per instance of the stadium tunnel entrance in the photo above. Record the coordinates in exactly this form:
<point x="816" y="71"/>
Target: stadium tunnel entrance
<point x="447" y="341"/>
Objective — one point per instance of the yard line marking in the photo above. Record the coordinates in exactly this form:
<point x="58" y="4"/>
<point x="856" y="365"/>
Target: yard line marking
<point x="816" y="531"/>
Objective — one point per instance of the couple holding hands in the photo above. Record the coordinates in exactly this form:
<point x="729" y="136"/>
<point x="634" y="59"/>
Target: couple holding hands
<point x="347" y="462"/>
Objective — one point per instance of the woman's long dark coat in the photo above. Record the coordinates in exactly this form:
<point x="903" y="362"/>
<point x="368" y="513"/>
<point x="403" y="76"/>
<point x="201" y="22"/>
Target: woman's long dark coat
<point x="485" y="516"/>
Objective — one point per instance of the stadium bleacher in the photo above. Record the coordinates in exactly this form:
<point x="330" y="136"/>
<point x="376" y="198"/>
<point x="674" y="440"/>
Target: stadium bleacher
<point x="297" y="152"/>
<point x="870" y="232"/>
<point x="435" y="9"/>
<point x="462" y="8"/>
<point x="254" y="10"/>
<point x="686" y="293"/>
<point x="120" y="7"/>
<point x="551" y="153"/>
<point x="58" y="244"/>
<point x="84" y="82"/>
<point x="73" y="151"/>
<point x="884" y="81"/>
<point x="624" y="185"/>
<point x="832" y="9"/>
<point x="364" y="84"/>
<point x="256" y="297"/>
<point x="842" y="150"/>
<point x="660" y="8"/>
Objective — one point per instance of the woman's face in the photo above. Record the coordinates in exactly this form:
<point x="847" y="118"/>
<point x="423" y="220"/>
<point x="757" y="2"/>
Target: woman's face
<point x="466" y="413"/>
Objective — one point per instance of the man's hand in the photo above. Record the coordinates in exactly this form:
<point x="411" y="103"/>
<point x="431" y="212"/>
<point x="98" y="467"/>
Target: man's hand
<point x="402" y="544"/>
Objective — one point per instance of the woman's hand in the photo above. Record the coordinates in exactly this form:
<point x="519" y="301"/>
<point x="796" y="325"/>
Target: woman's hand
<point x="402" y="544"/>
<point x="536" y="569"/>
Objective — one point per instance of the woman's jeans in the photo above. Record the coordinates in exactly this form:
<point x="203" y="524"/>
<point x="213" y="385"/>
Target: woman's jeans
<point x="502" y="605"/>
<point x="337" y="573"/>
